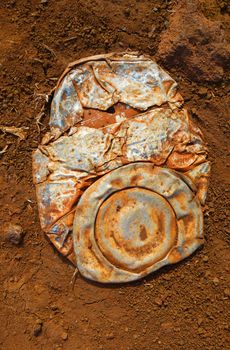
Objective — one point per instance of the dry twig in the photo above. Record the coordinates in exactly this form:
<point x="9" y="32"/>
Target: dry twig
<point x="19" y="132"/>
<point x="4" y="149"/>
<point x="40" y="99"/>
<point x="49" y="49"/>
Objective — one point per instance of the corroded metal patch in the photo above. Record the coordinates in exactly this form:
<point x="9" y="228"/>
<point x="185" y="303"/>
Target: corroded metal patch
<point x="111" y="116"/>
<point x="134" y="220"/>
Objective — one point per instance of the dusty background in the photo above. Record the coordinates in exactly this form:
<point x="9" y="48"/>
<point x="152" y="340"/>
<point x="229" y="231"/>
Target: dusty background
<point x="181" y="307"/>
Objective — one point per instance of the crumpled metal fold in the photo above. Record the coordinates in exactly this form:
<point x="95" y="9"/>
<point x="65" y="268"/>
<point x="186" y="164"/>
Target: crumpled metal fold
<point x="119" y="134"/>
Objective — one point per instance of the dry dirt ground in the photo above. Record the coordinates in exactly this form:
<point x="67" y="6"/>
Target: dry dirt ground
<point x="182" y="307"/>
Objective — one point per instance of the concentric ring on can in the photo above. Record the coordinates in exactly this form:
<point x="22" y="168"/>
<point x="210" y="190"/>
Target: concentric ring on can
<point x="131" y="222"/>
<point x="135" y="228"/>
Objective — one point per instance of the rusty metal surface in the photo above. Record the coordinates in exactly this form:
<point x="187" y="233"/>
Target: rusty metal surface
<point x="109" y="111"/>
<point x="99" y="84"/>
<point x="134" y="220"/>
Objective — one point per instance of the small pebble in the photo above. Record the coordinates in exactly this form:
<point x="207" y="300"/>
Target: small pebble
<point x="209" y="96"/>
<point x="110" y="336"/>
<point x="39" y="321"/>
<point x="167" y="325"/>
<point x="158" y="301"/>
<point x="166" y="278"/>
<point x="227" y="292"/>
<point x="194" y="111"/>
<point x="54" y="307"/>
<point x="64" y="336"/>
<point x="127" y="12"/>
<point x="200" y="330"/>
<point x="14" y="234"/>
<point x="216" y="281"/>
<point x="37" y="330"/>
<point x="205" y="258"/>
<point x="199" y="321"/>
<point x="207" y="274"/>
<point x="18" y="256"/>
<point x="202" y="91"/>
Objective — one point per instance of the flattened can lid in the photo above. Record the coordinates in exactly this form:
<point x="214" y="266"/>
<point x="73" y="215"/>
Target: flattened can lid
<point x="130" y="222"/>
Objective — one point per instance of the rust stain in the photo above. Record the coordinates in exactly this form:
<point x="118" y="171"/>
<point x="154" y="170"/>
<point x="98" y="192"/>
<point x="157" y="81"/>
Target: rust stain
<point x="116" y="183"/>
<point x="135" y="179"/>
<point x="143" y="233"/>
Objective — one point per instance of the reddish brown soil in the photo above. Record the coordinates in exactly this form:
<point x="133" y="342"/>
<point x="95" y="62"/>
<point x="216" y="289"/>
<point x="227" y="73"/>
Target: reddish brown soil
<point x="182" y="307"/>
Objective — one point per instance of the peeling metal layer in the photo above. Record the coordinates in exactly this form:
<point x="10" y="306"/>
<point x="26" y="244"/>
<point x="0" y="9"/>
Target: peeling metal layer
<point x="99" y="84"/>
<point x="109" y="111"/>
<point x="134" y="220"/>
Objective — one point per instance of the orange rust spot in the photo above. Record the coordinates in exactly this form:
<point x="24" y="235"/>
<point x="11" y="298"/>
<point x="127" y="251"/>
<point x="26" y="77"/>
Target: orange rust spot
<point x="175" y="256"/>
<point x="79" y="210"/>
<point x="64" y="96"/>
<point x="87" y="237"/>
<point x="135" y="179"/>
<point x="117" y="183"/>
<point x="118" y="208"/>
<point x="189" y="225"/>
<point x="161" y="222"/>
<point x="143" y="233"/>
<point x="68" y="203"/>
<point x="105" y="271"/>
<point x="124" y="159"/>
<point x="167" y="85"/>
<point x="181" y="197"/>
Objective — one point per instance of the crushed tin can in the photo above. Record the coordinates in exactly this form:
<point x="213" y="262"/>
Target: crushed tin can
<point x="122" y="175"/>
